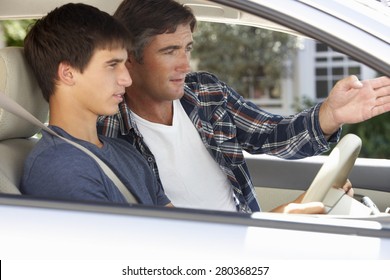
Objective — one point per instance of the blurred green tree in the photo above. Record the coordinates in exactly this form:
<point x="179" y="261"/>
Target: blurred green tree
<point x="375" y="136"/>
<point x="233" y="53"/>
<point x="14" y="31"/>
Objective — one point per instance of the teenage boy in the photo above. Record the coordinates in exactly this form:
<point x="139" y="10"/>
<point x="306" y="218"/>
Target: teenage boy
<point x="78" y="55"/>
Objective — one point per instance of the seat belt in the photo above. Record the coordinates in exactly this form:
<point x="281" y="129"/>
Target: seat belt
<point x="11" y="106"/>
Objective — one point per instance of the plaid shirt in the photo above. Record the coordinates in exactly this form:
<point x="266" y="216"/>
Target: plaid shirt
<point x="228" y="125"/>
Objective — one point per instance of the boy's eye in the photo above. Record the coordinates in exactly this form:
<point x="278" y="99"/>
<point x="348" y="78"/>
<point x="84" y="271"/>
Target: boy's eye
<point x="112" y="65"/>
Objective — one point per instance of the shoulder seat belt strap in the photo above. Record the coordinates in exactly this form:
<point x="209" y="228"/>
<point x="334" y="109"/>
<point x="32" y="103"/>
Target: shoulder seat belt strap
<point x="11" y="106"/>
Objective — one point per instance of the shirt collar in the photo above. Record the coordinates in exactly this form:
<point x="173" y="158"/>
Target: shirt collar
<point x="126" y="120"/>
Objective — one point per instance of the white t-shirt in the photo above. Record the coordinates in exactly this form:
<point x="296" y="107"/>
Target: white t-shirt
<point x="190" y="176"/>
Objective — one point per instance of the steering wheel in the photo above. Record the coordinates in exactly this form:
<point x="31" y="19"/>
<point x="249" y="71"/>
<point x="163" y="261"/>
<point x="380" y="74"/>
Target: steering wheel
<point x="336" y="168"/>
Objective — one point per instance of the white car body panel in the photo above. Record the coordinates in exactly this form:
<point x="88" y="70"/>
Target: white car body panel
<point x="181" y="234"/>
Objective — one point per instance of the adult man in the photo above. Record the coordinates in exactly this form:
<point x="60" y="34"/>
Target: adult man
<point x="78" y="55"/>
<point x="194" y="127"/>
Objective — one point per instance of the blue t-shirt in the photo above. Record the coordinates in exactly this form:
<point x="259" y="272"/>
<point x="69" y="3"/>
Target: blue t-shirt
<point x="57" y="169"/>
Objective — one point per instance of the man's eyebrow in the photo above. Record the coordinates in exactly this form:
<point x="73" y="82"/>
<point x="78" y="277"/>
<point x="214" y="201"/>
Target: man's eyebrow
<point x="168" y="48"/>
<point x="174" y="47"/>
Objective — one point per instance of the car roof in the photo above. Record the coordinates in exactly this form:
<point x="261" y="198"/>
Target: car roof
<point x="219" y="11"/>
<point x="376" y="19"/>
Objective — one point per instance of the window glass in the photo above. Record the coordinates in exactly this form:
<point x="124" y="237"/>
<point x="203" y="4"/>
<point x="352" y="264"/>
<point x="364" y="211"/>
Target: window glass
<point x="281" y="73"/>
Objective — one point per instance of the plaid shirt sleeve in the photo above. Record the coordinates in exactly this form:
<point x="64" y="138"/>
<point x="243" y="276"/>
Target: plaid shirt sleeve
<point x="288" y="137"/>
<point x="257" y="131"/>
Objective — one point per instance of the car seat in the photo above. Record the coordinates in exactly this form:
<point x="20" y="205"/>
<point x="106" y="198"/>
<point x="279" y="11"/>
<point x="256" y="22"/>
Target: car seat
<point x="17" y="136"/>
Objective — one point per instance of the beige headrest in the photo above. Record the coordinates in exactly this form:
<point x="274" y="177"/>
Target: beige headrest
<point x="17" y="81"/>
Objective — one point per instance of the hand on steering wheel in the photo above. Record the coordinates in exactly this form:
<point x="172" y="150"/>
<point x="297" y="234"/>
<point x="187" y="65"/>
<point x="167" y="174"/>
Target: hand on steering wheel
<point x="336" y="168"/>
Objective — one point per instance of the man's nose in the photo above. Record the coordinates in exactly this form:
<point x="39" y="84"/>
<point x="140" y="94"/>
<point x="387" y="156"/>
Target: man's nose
<point x="184" y="64"/>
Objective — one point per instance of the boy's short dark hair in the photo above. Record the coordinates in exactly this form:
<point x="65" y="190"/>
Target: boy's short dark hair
<point x="70" y="33"/>
<point x="147" y="18"/>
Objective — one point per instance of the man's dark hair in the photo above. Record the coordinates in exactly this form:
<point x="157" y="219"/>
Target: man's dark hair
<point x="147" y="18"/>
<point x="70" y="33"/>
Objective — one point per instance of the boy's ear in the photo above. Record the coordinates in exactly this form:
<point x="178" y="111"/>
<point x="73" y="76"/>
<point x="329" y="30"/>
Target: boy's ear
<point x="65" y="73"/>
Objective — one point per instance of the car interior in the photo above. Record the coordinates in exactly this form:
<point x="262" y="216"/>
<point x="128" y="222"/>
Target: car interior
<point x="97" y="237"/>
<point x="17" y="136"/>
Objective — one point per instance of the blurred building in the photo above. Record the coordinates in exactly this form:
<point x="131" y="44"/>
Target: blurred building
<point x="311" y="75"/>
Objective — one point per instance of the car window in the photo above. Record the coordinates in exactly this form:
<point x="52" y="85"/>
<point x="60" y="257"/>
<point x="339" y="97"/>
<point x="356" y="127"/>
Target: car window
<point x="284" y="73"/>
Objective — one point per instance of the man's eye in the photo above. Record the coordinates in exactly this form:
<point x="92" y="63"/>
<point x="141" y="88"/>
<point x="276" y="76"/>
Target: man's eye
<point x="189" y="48"/>
<point x="169" y="51"/>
